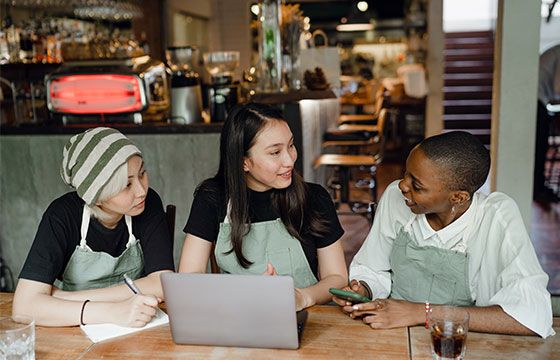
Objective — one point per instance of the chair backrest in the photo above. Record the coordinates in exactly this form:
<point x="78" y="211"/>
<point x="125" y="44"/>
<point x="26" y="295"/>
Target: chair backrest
<point x="170" y="211"/>
<point x="383" y="131"/>
<point x="379" y="100"/>
<point x="170" y="214"/>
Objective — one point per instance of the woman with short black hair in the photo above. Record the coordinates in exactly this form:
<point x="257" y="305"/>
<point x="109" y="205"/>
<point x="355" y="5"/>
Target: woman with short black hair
<point x="436" y="240"/>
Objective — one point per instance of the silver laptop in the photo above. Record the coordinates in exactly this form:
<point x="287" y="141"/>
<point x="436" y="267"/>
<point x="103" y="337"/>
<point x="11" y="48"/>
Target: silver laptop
<point x="232" y="310"/>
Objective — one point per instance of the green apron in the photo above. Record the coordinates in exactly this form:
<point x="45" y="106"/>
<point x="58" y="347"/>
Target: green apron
<point x="266" y="242"/>
<point x="88" y="269"/>
<point x="427" y="273"/>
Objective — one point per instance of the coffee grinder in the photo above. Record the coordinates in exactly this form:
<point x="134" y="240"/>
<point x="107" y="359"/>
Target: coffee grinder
<point x="186" y="98"/>
<point x="223" y="93"/>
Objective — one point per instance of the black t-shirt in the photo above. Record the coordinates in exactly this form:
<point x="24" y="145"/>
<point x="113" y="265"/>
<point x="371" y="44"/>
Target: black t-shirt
<point x="208" y="211"/>
<point x="59" y="234"/>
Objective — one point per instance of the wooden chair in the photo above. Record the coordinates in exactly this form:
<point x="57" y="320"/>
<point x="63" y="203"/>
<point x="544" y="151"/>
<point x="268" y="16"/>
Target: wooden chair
<point x="170" y="211"/>
<point x="345" y="162"/>
<point x="357" y="119"/>
<point x="170" y="214"/>
<point x="355" y="131"/>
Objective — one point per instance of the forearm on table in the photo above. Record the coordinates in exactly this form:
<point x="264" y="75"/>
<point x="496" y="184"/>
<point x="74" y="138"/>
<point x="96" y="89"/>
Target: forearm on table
<point x="47" y="310"/>
<point x="493" y="319"/>
<point x="490" y="319"/>
<point x="148" y="285"/>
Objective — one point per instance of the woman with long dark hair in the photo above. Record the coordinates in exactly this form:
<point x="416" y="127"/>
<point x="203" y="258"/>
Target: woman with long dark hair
<point x="260" y="214"/>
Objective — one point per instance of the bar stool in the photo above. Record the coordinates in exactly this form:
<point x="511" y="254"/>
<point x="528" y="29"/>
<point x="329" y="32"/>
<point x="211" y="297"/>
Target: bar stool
<point x="356" y="130"/>
<point x="344" y="163"/>
<point x="357" y="119"/>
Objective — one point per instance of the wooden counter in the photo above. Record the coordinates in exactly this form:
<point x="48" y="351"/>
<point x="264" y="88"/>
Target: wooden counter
<point x="328" y="334"/>
<point x="127" y="129"/>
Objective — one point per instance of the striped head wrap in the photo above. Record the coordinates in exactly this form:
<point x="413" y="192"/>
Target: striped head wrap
<point x="90" y="159"/>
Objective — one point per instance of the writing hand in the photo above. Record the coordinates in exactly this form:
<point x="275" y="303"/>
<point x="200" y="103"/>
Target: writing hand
<point x="136" y="311"/>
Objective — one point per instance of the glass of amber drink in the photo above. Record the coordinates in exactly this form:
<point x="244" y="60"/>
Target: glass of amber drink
<point x="448" y="329"/>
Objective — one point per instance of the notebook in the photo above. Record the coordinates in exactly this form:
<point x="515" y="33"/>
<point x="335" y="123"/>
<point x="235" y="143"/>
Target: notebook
<point x="100" y="332"/>
<point x="232" y="310"/>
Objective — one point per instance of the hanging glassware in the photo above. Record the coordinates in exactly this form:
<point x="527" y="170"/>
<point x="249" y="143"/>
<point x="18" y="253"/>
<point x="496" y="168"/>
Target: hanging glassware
<point x="270" y="47"/>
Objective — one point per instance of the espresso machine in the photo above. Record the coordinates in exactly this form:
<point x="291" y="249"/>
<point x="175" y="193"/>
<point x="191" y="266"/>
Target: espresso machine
<point x="186" y="98"/>
<point x="223" y="93"/>
<point x="133" y="90"/>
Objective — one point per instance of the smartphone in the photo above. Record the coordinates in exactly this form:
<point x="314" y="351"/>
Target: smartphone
<point x="353" y="297"/>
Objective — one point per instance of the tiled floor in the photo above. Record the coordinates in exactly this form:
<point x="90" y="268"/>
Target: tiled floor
<point x="545" y="232"/>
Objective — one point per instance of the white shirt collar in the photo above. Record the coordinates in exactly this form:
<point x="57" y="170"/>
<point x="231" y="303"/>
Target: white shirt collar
<point x="452" y="230"/>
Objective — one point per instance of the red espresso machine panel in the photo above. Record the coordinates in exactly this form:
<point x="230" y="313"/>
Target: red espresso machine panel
<point x="96" y="94"/>
<point x="110" y="91"/>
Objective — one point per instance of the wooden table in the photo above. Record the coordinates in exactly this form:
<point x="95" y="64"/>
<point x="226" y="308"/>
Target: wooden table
<point x="328" y="334"/>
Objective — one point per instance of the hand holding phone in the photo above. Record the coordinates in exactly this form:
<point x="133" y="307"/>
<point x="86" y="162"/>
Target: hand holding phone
<point x="351" y="296"/>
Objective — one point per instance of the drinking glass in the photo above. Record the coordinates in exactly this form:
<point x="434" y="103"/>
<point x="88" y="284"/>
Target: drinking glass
<point x="448" y="329"/>
<point x="17" y="338"/>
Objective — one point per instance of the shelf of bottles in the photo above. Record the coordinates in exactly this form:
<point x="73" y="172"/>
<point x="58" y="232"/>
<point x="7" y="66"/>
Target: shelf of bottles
<point x="56" y="40"/>
<point x="31" y="49"/>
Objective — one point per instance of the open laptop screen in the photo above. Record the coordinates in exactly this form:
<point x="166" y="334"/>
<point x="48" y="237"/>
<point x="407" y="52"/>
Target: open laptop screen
<point x="231" y="310"/>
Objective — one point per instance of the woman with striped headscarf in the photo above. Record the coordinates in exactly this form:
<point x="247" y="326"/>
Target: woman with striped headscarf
<point x="111" y="225"/>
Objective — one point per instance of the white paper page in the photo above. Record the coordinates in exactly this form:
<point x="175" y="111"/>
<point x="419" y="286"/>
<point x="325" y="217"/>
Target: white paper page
<point x="100" y="332"/>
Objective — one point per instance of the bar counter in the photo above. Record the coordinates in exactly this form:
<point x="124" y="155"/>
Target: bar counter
<point x="328" y="334"/>
<point x="145" y="128"/>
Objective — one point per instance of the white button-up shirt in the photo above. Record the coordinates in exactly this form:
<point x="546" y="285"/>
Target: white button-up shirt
<point x="503" y="267"/>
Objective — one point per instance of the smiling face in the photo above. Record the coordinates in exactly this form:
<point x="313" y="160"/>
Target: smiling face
<point x="423" y="186"/>
<point x="270" y="161"/>
<point x="131" y="200"/>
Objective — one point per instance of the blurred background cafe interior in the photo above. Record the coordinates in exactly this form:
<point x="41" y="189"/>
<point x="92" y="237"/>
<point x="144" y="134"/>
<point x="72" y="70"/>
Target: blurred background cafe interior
<point x="360" y="83"/>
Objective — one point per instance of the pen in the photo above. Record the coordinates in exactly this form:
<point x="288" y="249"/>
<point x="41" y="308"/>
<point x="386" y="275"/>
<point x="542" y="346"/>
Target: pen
<point x="131" y="285"/>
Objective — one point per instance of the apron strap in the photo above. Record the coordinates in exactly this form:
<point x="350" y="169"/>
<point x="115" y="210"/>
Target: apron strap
<point x="86" y="215"/>
<point x="228" y="211"/>
<point x="131" y="237"/>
